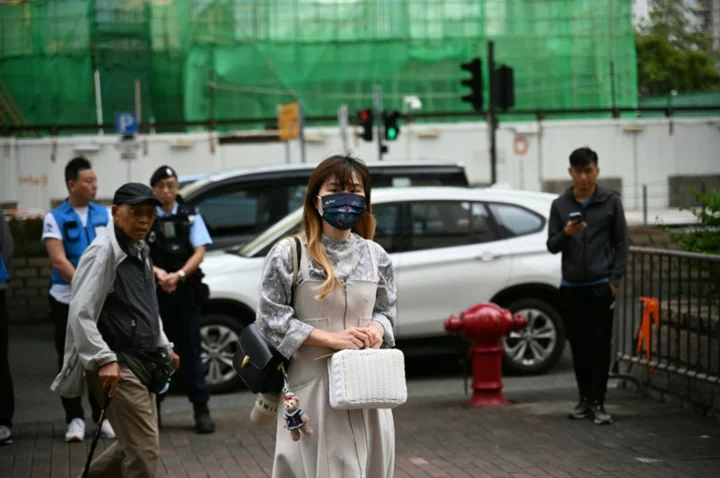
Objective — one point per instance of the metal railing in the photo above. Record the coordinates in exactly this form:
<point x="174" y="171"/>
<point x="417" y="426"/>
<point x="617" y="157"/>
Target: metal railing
<point x="668" y="314"/>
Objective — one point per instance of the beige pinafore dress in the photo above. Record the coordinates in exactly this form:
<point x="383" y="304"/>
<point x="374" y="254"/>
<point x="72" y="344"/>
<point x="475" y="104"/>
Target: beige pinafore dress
<point x="344" y="444"/>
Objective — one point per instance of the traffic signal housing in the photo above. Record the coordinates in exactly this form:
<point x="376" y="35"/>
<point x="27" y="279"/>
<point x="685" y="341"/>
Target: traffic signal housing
<point x="504" y="94"/>
<point x="390" y="122"/>
<point x="365" y="120"/>
<point x="475" y="97"/>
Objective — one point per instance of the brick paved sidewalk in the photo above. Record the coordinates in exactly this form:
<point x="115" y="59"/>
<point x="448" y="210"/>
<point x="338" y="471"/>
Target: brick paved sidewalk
<point x="436" y="437"/>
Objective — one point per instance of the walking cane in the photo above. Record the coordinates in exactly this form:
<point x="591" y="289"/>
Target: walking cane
<point x="96" y="437"/>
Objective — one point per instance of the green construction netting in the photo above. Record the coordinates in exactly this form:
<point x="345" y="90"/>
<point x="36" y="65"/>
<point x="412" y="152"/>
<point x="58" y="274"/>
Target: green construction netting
<point x="568" y="54"/>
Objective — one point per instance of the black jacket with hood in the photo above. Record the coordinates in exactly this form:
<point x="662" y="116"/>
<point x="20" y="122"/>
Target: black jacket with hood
<point x="601" y="249"/>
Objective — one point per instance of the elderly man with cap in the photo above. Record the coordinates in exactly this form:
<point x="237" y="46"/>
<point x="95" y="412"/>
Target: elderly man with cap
<point x="115" y="336"/>
<point x="177" y="246"/>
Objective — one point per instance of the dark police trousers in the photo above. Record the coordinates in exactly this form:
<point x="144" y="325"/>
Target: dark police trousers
<point x="7" y="395"/>
<point x="588" y="313"/>
<point x="73" y="406"/>
<point x="181" y="321"/>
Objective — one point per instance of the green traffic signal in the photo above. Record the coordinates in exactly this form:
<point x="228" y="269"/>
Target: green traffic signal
<point x="390" y="123"/>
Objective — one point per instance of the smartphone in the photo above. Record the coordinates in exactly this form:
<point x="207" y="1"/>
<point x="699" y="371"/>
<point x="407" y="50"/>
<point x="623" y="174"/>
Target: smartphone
<point x="576" y="217"/>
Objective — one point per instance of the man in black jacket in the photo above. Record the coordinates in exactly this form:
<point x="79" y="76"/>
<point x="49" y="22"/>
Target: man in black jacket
<point x="587" y="224"/>
<point x="114" y="331"/>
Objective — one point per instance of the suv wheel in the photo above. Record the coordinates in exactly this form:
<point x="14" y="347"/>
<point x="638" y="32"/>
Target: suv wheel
<point x="219" y="339"/>
<point x="538" y="347"/>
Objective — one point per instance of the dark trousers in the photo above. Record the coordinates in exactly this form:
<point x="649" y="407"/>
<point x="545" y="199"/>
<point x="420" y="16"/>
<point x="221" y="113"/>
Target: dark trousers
<point x="588" y="313"/>
<point x="7" y="393"/>
<point x="73" y="406"/>
<point x="181" y="321"/>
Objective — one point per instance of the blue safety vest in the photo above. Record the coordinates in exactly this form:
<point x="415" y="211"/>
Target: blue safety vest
<point x="76" y="238"/>
<point x="4" y="274"/>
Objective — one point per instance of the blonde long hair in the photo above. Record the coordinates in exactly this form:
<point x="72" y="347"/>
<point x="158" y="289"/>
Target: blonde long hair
<point x="342" y="169"/>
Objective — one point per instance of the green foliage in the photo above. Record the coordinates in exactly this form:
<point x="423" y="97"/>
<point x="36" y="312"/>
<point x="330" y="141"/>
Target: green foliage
<point x="26" y="234"/>
<point x="663" y="67"/>
<point x="705" y="239"/>
<point x="672" y="55"/>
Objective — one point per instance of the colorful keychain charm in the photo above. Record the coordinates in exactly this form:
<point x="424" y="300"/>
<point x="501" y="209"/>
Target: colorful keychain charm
<point x="296" y="420"/>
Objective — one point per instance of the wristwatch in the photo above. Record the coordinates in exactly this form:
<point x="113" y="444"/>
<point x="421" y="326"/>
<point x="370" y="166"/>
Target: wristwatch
<point x="182" y="274"/>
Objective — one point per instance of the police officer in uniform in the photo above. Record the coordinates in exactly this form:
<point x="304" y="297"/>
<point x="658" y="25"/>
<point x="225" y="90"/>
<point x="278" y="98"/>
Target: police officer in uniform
<point x="177" y="242"/>
<point x="67" y="231"/>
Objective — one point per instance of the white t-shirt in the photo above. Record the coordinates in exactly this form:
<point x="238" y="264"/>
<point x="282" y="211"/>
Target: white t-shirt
<point x="62" y="292"/>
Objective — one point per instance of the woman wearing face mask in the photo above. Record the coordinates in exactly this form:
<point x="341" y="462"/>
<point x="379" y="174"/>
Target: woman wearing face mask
<point x="344" y="298"/>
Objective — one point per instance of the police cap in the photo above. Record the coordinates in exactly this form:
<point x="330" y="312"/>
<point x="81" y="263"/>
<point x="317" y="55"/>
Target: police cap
<point x="163" y="172"/>
<point x="134" y="194"/>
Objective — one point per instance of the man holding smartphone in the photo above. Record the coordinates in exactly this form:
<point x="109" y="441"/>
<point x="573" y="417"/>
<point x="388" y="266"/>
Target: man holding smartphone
<point x="587" y="225"/>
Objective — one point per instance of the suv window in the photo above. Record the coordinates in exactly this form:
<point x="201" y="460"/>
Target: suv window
<point x="440" y="224"/>
<point x="482" y="227"/>
<point x="388" y="179"/>
<point x="296" y="196"/>
<point x="245" y="211"/>
<point x="516" y="221"/>
<point x="388" y="225"/>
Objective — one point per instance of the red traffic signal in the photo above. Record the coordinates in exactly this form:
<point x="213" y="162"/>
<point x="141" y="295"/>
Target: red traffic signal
<point x="365" y="120"/>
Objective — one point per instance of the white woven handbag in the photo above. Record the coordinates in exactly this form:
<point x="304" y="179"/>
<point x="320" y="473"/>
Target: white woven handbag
<point x="370" y="378"/>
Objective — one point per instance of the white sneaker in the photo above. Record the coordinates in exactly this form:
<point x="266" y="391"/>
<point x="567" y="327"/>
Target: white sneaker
<point x="75" y="431"/>
<point x="5" y="435"/>
<point x="106" y="430"/>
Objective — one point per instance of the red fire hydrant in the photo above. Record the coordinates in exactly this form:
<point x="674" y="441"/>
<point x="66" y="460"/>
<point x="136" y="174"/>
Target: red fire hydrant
<point x="485" y="325"/>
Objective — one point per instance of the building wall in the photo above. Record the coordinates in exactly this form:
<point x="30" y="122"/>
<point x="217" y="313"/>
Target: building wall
<point x="638" y="152"/>
<point x="28" y="298"/>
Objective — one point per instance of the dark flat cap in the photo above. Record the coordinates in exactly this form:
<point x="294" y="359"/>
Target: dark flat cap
<point x="163" y="172"/>
<point x="135" y="193"/>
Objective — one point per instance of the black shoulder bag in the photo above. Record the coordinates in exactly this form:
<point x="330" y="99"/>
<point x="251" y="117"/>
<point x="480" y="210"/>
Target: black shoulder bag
<point x="256" y="361"/>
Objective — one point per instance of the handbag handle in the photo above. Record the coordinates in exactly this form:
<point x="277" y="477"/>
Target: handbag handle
<point x="327" y="355"/>
<point x="296" y="256"/>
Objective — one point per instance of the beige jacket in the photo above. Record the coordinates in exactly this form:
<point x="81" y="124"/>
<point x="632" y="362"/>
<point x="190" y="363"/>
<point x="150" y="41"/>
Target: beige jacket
<point x="93" y="280"/>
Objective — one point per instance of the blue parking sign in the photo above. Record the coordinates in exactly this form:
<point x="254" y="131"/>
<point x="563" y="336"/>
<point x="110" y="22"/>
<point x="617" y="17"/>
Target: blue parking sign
<point x="126" y="123"/>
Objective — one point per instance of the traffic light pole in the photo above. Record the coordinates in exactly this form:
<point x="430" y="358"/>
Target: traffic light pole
<point x="377" y="93"/>
<point x="301" y="119"/>
<point x="343" y="122"/>
<point x="492" y="120"/>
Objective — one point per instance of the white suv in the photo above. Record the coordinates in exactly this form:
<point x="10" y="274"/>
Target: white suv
<point x="451" y="248"/>
<point x="238" y="205"/>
